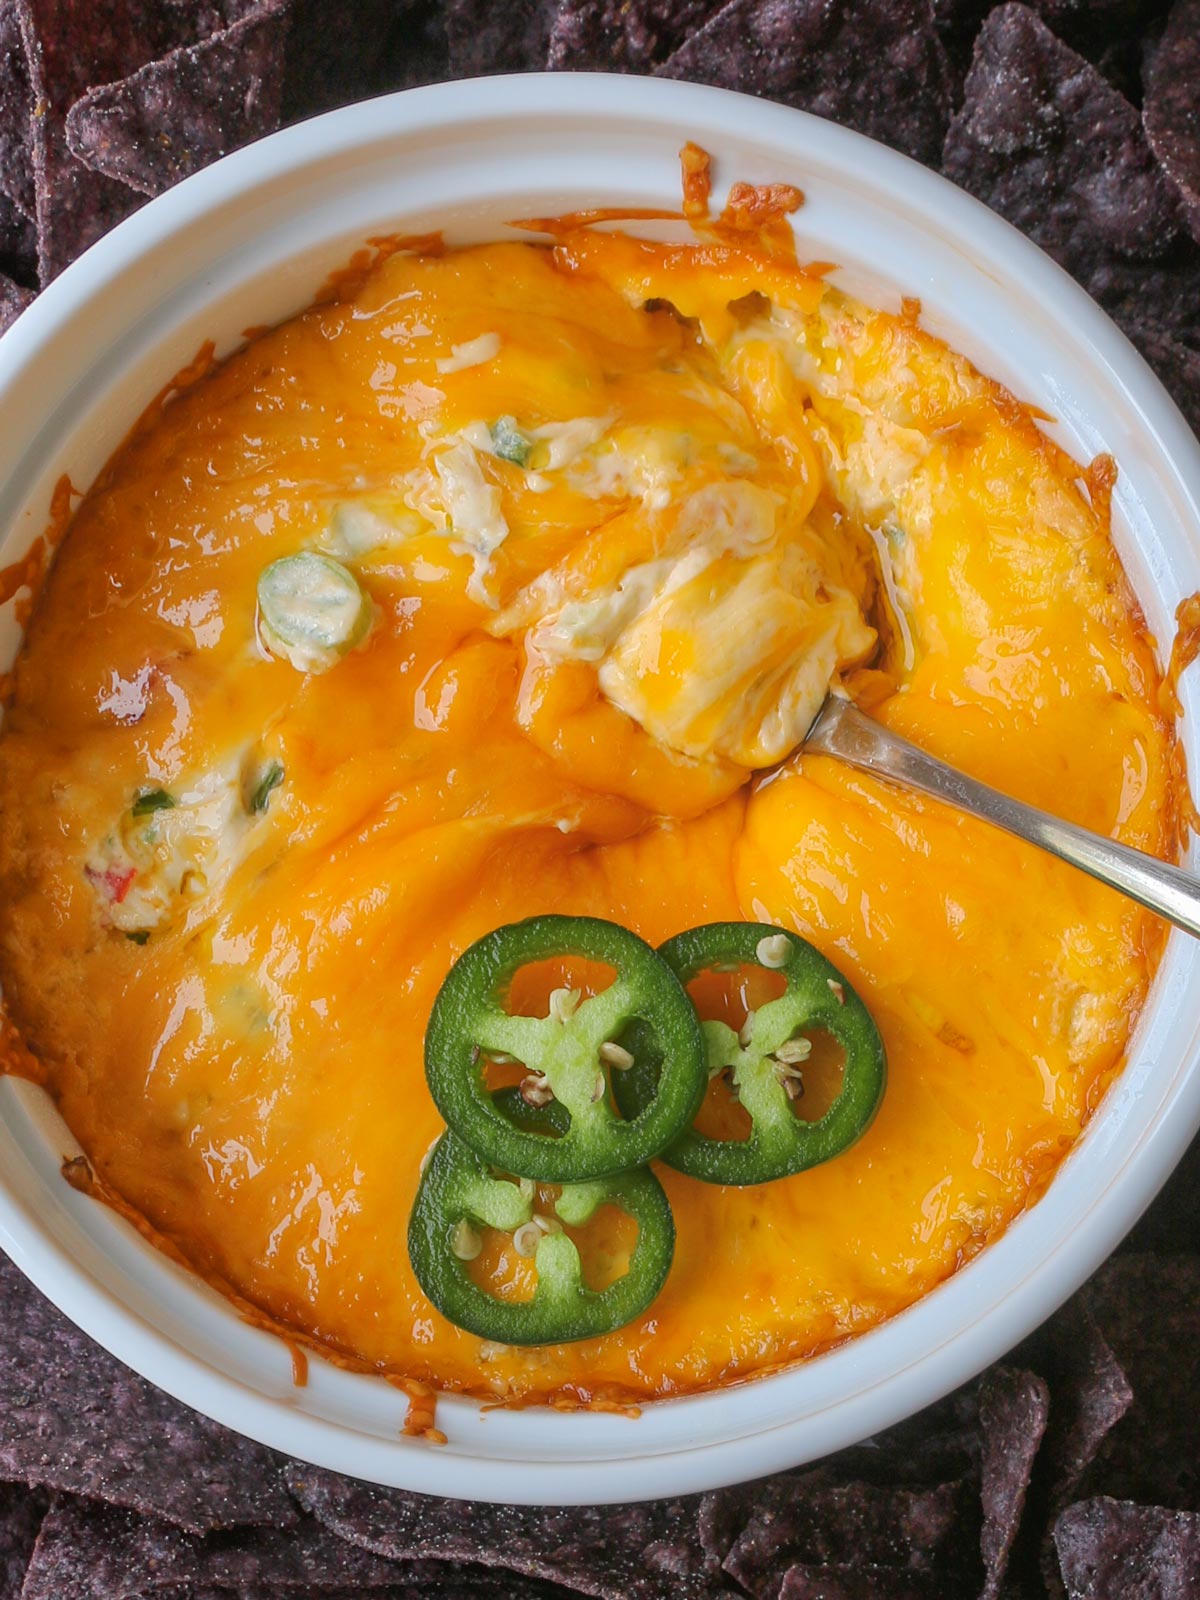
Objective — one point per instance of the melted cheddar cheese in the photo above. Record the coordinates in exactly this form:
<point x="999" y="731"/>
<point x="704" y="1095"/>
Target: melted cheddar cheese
<point x="621" y="513"/>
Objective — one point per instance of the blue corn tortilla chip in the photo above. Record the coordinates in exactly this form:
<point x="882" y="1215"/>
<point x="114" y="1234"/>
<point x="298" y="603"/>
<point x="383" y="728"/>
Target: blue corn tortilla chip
<point x="92" y="1552"/>
<point x="1148" y="1308"/>
<point x="1014" y="1407"/>
<point x="1103" y="16"/>
<point x="1089" y="1394"/>
<point x="464" y="1584"/>
<point x="1110" y="33"/>
<point x="1169" y="1225"/>
<point x="734" y="1518"/>
<point x="649" y="1551"/>
<point x="721" y="1516"/>
<point x="13" y="300"/>
<point x="724" y="1514"/>
<point x="622" y="35"/>
<point x="1094" y="197"/>
<point x="21" y="1514"/>
<point x="16" y="114"/>
<point x="367" y="52"/>
<point x="1177" y="365"/>
<point x="875" y="65"/>
<point x="177" y="114"/>
<point x="18" y="244"/>
<point x="1093" y="21"/>
<point x="71" y="44"/>
<point x="957" y="23"/>
<point x="483" y="37"/>
<point x="73" y="47"/>
<point x="1112" y="1548"/>
<point x="1045" y="141"/>
<point x="74" y="1419"/>
<point x="1155" y="307"/>
<point x="807" y="1582"/>
<point x="806" y="1521"/>
<point x="1172" y="105"/>
<point x="417" y="48"/>
<point x="937" y="1446"/>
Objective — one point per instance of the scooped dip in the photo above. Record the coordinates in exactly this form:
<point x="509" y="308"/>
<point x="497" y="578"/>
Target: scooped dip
<point x="506" y="583"/>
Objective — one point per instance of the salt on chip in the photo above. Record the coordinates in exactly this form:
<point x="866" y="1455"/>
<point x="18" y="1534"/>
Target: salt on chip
<point x="1013" y="1410"/>
<point x="175" y="115"/>
<point x="808" y="1522"/>
<point x="876" y="65"/>
<point x="1049" y="144"/>
<point x="1172" y="105"/>
<point x="622" y="35"/>
<point x="16" y="113"/>
<point x="649" y="1551"/>
<point x="1114" y="1548"/>
<point x="76" y="1420"/>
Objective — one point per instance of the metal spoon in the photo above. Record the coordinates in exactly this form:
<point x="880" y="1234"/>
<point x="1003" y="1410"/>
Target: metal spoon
<point x="842" y="731"/>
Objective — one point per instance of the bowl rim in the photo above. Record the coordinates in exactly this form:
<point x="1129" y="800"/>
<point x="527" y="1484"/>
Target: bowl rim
<point x="950" y="1337"/>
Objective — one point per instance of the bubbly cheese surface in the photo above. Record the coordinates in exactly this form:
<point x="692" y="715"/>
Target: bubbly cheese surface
<point x="621" y="514"/>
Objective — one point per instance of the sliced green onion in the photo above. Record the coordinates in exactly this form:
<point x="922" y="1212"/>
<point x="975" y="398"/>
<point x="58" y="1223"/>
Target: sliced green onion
<point x="509" y="443"/>
<point x="260" y="795"/>
<point x="152" y="800"/>
<point x="311" y="610"/>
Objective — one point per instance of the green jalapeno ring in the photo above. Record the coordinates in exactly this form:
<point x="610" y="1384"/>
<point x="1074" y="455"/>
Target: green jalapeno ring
<point x="458" y="1189"/>
<point x="817" y="996"/>
<point x="575" y="1053"/>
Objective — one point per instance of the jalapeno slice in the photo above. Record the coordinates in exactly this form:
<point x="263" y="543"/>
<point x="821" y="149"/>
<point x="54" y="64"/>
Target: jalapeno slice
<point x="768" y="1056"/>
<point x="459" y="1194"/>
<point x="311" y="610"/>
<point x="572" y="1057"/>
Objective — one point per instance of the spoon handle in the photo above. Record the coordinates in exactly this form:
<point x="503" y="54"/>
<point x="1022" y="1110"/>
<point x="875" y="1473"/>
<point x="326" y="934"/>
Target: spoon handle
<point x="842" y="731"/>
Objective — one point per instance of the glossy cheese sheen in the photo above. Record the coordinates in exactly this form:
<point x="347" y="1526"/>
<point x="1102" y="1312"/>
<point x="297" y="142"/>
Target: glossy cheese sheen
<point x="250" y="1077"/>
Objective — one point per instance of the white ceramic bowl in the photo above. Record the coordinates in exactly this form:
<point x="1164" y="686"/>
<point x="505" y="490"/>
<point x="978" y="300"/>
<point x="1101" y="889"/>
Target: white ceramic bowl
<point x="247" y="242"/>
